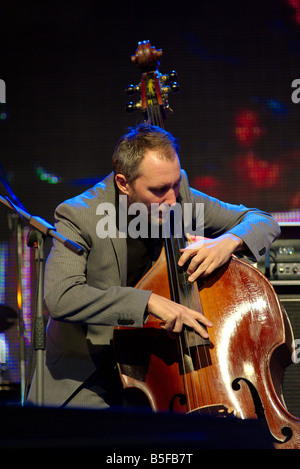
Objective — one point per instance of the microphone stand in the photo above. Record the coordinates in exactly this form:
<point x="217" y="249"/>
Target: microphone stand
<point x="36" y="239"/>
<point x="15" y="226"/>
<point x="41" y="229"/>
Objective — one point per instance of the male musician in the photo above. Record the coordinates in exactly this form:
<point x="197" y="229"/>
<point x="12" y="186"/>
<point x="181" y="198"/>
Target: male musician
<point x="88" y="295"/>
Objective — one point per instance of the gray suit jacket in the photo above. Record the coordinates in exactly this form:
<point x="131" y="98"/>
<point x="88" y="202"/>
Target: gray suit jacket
<point x="87" y="295"/>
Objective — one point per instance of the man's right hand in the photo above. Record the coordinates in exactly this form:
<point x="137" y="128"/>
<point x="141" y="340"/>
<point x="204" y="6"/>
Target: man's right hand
<point x="174" y="315"/>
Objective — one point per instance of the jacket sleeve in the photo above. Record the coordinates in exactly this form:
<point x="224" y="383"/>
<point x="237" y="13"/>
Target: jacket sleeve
<point x="77" y="293"/>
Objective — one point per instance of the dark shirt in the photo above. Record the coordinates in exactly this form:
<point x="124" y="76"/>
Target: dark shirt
<point x="141" y="254"/>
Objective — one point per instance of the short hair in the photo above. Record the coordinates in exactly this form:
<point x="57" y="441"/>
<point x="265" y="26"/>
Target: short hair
<point x="131" y="148"/>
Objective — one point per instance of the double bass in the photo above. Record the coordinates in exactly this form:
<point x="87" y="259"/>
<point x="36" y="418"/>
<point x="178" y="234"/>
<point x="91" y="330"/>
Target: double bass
<point x="238" y="371"/>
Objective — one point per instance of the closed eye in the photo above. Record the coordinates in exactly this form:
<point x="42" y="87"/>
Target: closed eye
<point x="166" y="188"/>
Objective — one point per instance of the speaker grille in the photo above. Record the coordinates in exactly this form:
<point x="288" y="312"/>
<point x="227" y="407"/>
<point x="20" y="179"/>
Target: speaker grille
<point x="291" y="376"/>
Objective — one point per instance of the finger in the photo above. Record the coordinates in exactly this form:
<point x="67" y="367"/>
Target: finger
<point x="201" y="330"/>
<point x="175" y="325"/>
<point x="204" y="320"/>
<point x="203" y="270"/>
<point x="195" y="262"/>
<point x="186" y="255"/>
<point x="197" y="318"/>
<point x="198" y="327"/>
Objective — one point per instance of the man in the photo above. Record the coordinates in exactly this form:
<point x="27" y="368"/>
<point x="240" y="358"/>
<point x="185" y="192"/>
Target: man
<point x="88" y="295"/>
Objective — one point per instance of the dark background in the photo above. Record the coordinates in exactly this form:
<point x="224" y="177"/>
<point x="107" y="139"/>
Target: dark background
<point x="66" y="65"/>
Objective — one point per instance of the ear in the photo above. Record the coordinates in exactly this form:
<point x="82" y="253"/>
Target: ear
<point x="122" y="183"/>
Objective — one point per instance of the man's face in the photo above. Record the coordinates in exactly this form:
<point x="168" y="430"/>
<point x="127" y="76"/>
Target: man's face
<point x="158" y="182"/>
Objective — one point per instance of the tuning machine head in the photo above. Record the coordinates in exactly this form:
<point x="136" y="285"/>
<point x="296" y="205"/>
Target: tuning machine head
<point x="132" y="89"/>
<point x="169" y="81"/>
<point x="132" y="107"/>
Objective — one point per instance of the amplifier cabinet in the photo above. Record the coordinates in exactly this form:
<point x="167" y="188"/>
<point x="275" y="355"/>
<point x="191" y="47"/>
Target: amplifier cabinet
<point x="289" y="296"/>
<point x="281" y="265"/>
<point x="282" y="261"/>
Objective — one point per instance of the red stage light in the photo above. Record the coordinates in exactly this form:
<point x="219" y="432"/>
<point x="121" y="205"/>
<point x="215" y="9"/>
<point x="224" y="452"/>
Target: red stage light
<point x="247" y="128"/>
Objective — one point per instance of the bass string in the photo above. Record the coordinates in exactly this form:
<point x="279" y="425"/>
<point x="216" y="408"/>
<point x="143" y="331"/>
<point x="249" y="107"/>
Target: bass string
<point x="194" y="302"/>
<point x="208" y="369"/>
<point x="195" y="376"/>
<point x="174" y="297"/>
<point x="154" y="116"/>
<point x="185" y="350"/>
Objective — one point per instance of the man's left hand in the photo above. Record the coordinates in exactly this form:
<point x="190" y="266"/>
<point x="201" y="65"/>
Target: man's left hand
<point x="208" y="254"/>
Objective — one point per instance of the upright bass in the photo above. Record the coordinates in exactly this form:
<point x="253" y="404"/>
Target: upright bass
<point x="238" y="371"/>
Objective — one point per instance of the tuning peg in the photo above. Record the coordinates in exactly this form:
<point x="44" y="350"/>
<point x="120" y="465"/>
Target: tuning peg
<point x="132" y="89"/>
<point x="174" y="87"/>
<point x="131" y="107"/>
<point x="172" y="75"/>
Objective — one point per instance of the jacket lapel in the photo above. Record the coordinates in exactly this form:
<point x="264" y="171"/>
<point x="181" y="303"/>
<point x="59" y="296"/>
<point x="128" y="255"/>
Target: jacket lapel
<point x="118" y="242"/>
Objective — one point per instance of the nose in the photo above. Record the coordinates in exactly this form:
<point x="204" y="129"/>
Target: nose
<point x="170" y="197"/>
